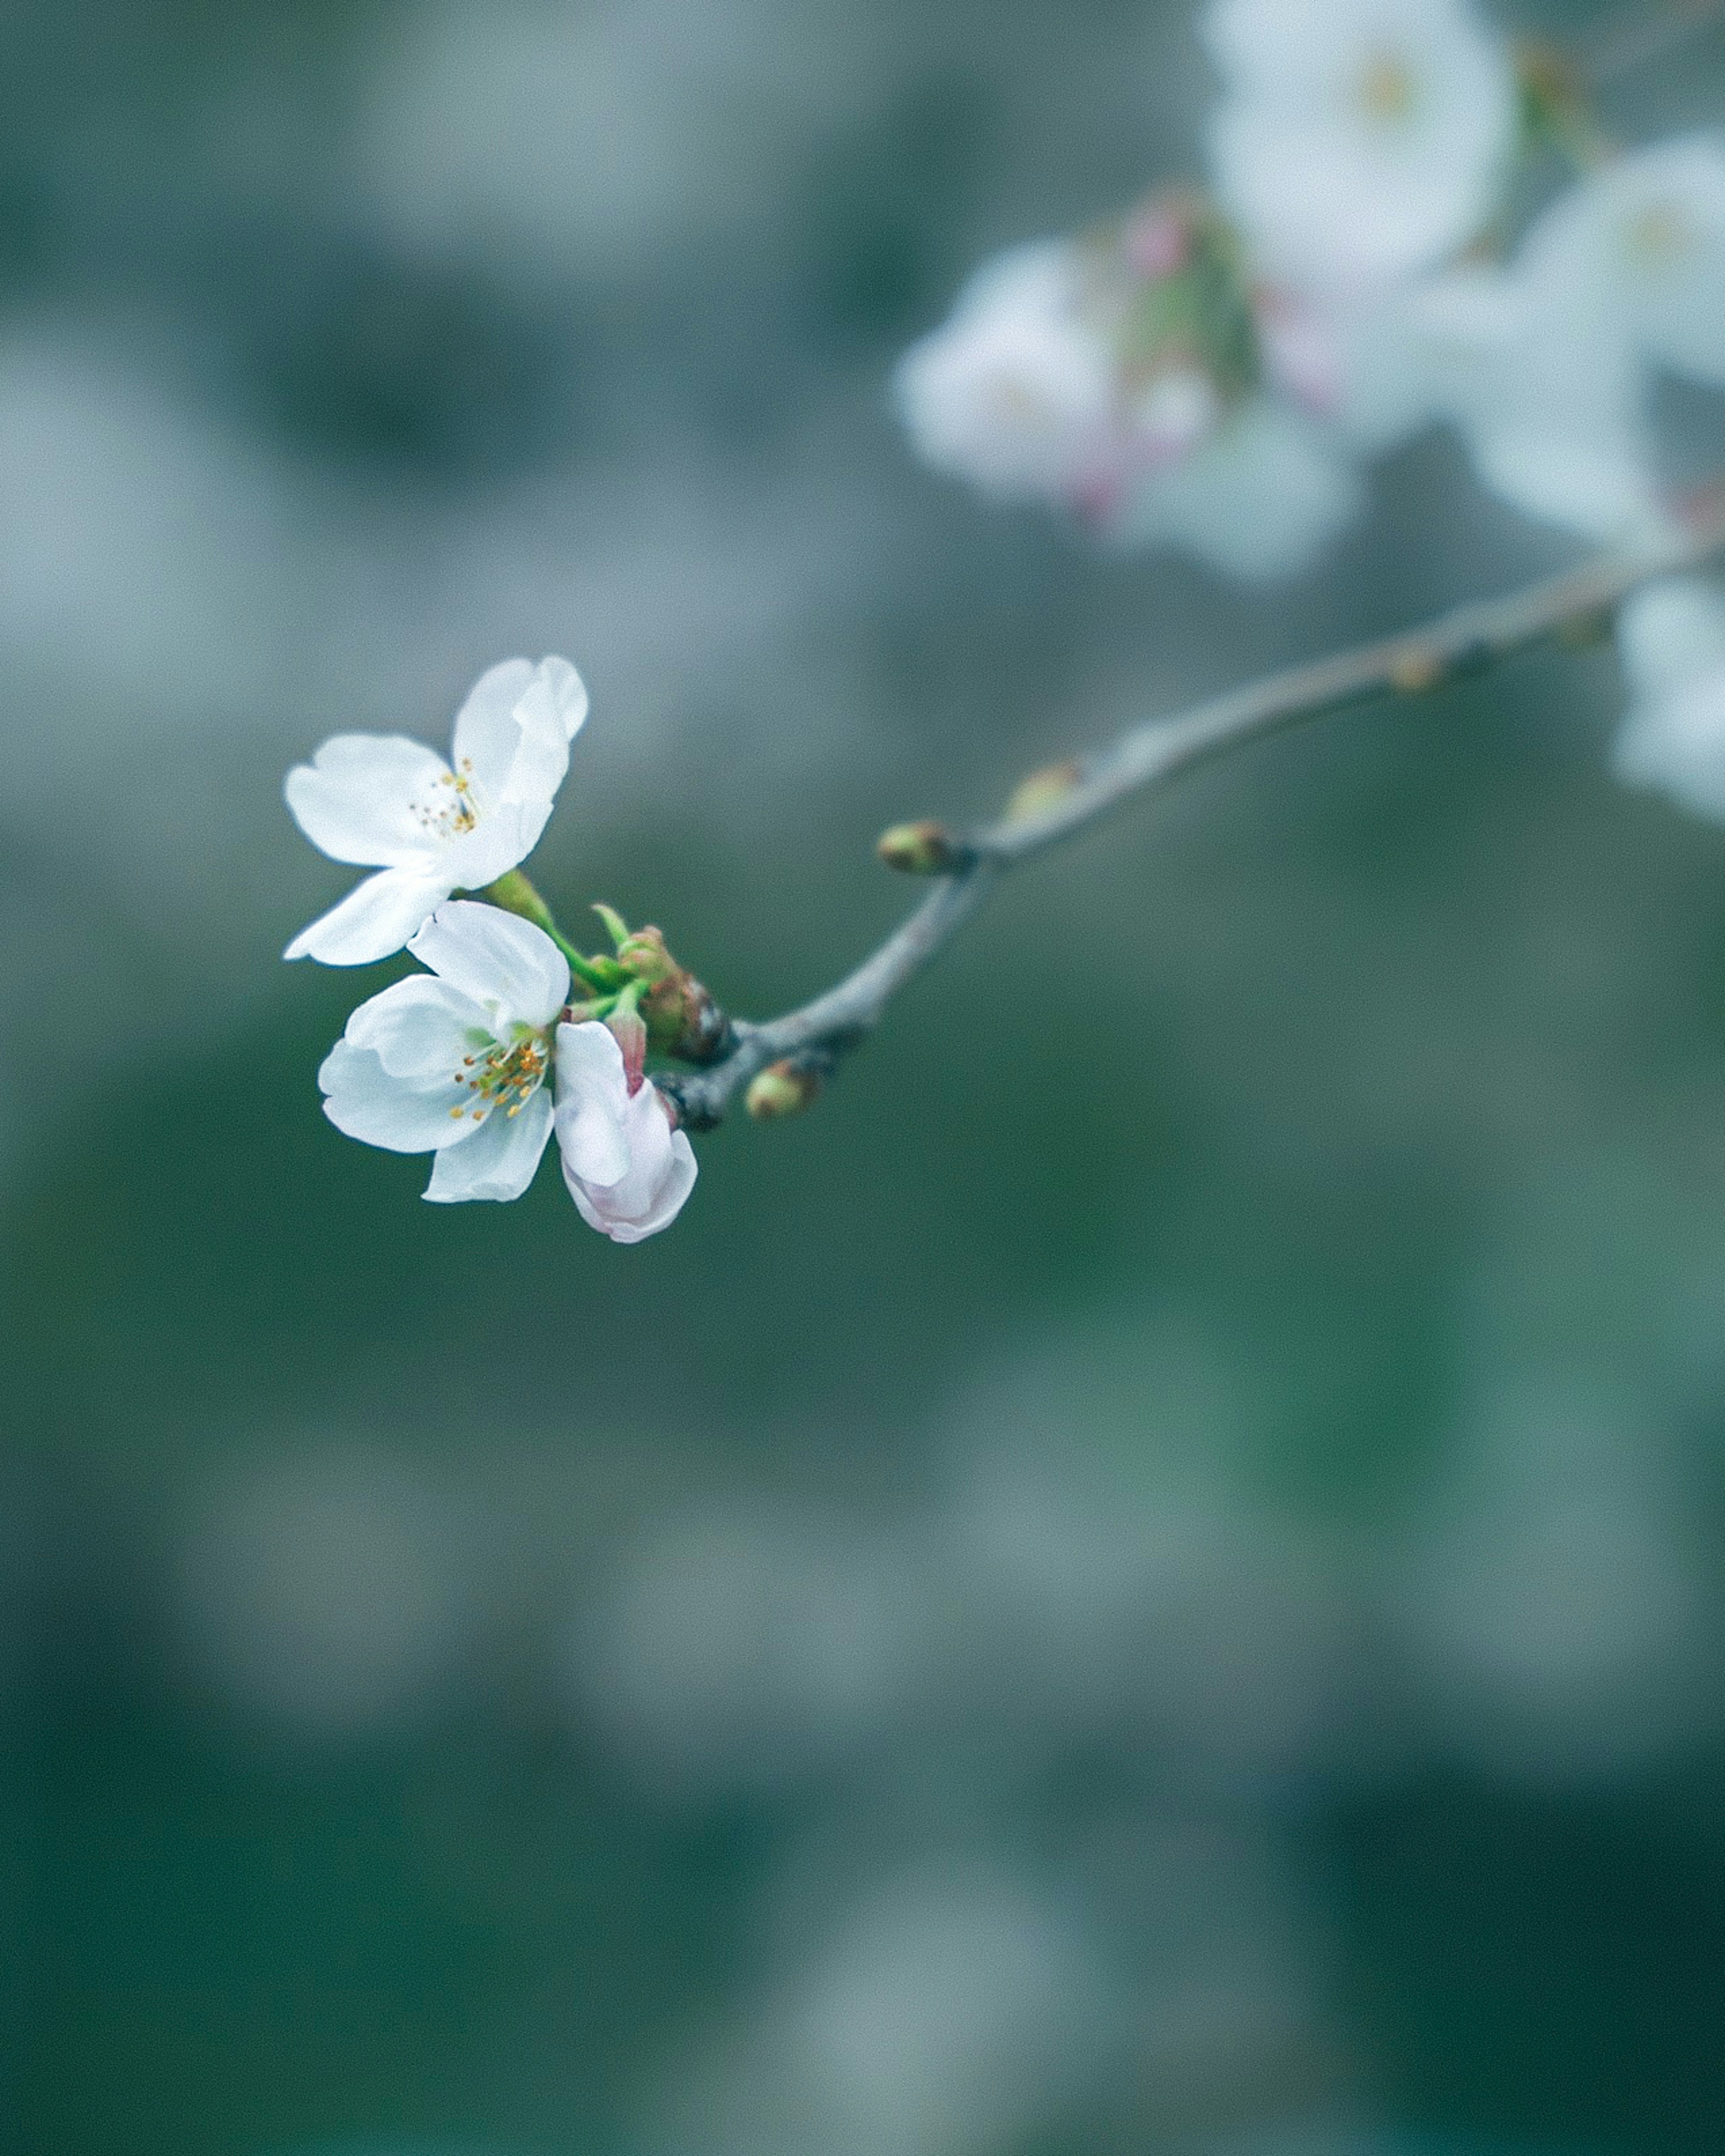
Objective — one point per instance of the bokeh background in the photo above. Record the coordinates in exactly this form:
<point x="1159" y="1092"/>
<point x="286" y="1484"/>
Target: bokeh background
<point x="1152" y="1577"/>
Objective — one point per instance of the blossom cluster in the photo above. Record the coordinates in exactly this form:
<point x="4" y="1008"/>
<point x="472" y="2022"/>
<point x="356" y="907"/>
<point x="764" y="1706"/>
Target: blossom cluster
<point x="1213" y="370"/>
<point x="481" y="1057"/>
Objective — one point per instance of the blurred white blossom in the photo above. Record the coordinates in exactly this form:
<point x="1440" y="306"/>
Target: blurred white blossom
<point x="455" y="1062"/>
<point x="433" y="828"/>
<point x="1670" y="637"/>
<point x="1015" y="392"/>
<point x="1260" y="499"/>
<point x="1357" y="142"/>
<point x="740" y="1645"/>
<point x="1117" y="377"/>
<point x="947" y="2013"/>
<point x="1634" y="255"/>
<point x="1552" y="413"/>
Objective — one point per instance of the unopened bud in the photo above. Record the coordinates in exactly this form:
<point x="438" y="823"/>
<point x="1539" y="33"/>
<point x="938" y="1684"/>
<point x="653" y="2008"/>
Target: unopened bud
<point x="1035" y="796"/>
<point x="644" y="953"/>
<point x="924" y="849"/>
<point x="784" y="1088"/>
<point x="630" y="1034"/>
<point x="683" y="1019"/>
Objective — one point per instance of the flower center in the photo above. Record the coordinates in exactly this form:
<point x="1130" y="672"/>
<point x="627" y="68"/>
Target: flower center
<point x="501" y="1077"/>
<point x="1659" y="237"/>
<point x="455" y="806"/>
<point x="1385" y="89"/>
<point x="1016" y="404"/>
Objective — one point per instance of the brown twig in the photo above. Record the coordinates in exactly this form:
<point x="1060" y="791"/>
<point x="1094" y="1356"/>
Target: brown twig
<point x="1150" y="756"/>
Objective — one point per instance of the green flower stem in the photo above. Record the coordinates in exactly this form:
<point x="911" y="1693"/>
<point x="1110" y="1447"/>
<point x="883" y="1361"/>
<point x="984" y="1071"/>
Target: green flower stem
<point x="516" y="894"/>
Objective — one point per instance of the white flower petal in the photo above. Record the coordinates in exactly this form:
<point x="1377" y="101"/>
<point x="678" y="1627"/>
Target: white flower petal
<point x="1670" y="639"/>
<point x="668" y="1200"/>
<point x="661" y="1174"/>
<point x="499" y="1160"/>
<point x="1260" y="500"/>
<point x="1642" y="242"/>
<point x="592" y="1104"/>
<point x="374" y="920"/>
<point x="515" y="728"/>
<point x="500" y="840"/>
<point x="1548" y="395"/>
<point x="509" y="967"/>
<point x="359" y="800"/>
<point x="566" y="692"/>
<point x="418" y="1029"/>
<point x="486" y="735"/>
<point x="366" y="1103"/>
<point x="1670" y="634"/>
<point x="1014" y="392"/>
<point x="1597" y="485"/>
<point x="1676" y="743"/>
<point x="1361" y="140"/>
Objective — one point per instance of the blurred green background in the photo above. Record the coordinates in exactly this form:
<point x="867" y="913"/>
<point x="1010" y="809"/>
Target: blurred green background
<point x="1151" y="1577"/>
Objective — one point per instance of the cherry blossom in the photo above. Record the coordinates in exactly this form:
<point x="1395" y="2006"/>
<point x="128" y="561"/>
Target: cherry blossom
<point x="432" y="828"/>
<point x="454" y="1062"/>
<point x="1670" y="638"/>
<point x="1360" y="142"/>
<point x="1016" y="391"/>
<point x="1634" y="255"/>
<point x="1258" y="499"/>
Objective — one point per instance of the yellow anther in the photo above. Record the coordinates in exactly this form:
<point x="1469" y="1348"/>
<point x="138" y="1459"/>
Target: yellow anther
<point x="1386" y="88"/>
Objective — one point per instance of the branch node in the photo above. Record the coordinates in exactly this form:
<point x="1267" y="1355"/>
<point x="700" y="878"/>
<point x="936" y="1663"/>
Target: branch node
<point x="1041" y="790"/>
<point x="1413" y="671"/>
<point x="923" y="849"/>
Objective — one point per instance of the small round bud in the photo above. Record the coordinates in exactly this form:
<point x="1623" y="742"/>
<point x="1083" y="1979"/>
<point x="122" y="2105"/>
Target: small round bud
<point x="1036" y="795"/>
<point x="784" y="1088"/>
<point x="923" y="849"/>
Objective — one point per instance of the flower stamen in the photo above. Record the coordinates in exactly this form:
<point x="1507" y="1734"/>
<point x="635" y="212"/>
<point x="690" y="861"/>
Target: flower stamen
<point x="1385" y="89"/>
<point x="507" y="1079"/>
<point x="457" y="806"/>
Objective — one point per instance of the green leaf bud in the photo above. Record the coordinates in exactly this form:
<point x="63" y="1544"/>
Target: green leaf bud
<point x="922" y="848"/>
<point x="784" y="1088"/>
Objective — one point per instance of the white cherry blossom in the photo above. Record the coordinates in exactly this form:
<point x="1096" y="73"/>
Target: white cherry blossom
<point x="1554" y="415"/>
<point x="1258" y="499"/>
<point x="1670" y="639"/>
<point x="1359" y="141"/>
<point x="1016" y="391"/>
<point x="1635" y="253"/>
<point x="629" y="1170"/>
<point x="455" y="1062"/>
<point x="432" y="828"/>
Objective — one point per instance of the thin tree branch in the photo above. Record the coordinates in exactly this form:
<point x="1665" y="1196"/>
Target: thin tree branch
<point x="1149" y="756"/>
